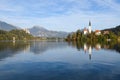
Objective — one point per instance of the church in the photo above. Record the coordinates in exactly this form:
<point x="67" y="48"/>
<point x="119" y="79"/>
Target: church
<point x="89" y="30"/>
<point x="86" y="31"/>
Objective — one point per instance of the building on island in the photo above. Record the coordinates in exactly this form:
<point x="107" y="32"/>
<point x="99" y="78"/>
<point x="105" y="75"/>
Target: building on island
<point x="97" y="32"/>
<point x="85" y="31"/>
<point x="89" y="30"/>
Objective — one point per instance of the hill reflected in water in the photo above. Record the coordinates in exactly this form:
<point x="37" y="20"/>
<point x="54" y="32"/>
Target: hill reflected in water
<point x="98" y="46"/>
<point x="9" y="49"/>
<point x="88" y="48"/>
<point x="42" y="60"/>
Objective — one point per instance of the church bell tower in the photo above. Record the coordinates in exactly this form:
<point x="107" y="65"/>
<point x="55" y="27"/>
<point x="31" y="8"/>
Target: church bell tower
<point x="89" y="28"/>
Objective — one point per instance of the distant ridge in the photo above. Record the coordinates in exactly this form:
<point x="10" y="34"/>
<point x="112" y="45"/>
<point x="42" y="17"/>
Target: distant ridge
<point x="36" y="31"/>
<point x="39" y="31"/>
<point x="7" y="27"/>
<point x="115" y="30"/>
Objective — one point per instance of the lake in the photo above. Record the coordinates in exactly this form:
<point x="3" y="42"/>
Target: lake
<point x="42" y="60"/>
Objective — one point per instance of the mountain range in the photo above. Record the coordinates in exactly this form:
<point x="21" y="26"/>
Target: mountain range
<point x="42" y="32"/>
<point x="36" y="31"/>
<point x="7" y="27"/>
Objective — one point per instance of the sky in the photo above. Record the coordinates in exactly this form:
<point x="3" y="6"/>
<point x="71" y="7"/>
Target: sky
<point x="61" y="15"/>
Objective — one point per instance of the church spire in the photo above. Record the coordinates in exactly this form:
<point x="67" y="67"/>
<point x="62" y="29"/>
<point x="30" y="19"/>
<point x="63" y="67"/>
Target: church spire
<point x="89" y="26"/>
<point x="89" y="23"/>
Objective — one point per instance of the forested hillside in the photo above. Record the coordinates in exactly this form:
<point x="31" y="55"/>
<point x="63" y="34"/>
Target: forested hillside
<point x="17" y="34"/>
<point x="115" y="30"/>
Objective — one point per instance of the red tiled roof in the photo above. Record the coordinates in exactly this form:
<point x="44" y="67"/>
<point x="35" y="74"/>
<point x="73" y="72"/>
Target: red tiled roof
<point x="97" y="31"/>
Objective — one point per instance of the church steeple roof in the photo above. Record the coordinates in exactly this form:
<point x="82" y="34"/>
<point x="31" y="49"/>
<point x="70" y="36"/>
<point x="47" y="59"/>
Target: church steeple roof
<point x="89" y="23"/>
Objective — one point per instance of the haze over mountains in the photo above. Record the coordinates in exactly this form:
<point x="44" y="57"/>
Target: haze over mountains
<point x="36" y="31"/>
<point x="7" y="27"/>
<point x="39" y="31"/>
<point x="42" y="32"/>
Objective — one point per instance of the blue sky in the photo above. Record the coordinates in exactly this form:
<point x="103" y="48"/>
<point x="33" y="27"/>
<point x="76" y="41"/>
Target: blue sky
<point x="61" y="15"/>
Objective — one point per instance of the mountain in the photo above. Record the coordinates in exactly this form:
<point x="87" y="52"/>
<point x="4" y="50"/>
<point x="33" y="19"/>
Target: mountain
<point x="7" y="27"/>
<point x="42" y="32"/>
<point x="115" y="30"/>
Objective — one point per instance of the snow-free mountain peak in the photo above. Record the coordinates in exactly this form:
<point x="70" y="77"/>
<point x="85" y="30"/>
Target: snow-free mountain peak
<point x="43" y="32"/>
<point x="7" y="27"/>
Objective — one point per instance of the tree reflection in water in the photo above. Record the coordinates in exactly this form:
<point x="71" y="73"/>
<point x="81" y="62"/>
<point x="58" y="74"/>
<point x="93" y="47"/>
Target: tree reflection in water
<point x="88" y="47"/>
<point x="8" y="49"/>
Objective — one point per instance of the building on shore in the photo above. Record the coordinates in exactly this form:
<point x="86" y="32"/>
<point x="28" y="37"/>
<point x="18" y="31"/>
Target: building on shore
<point x="106" y="32"/>
<point x="26" y="30"/>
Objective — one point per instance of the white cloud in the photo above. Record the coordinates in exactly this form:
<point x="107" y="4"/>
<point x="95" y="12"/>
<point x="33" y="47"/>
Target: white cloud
<point x="65" y="15"/>
<point x="70" y="22"/>
<point x="109" y="3"/>
<point x="6" y="6"/>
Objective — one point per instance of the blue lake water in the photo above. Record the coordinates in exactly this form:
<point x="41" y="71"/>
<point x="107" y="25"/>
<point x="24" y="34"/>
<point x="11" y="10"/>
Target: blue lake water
<point x="43" y="60"/>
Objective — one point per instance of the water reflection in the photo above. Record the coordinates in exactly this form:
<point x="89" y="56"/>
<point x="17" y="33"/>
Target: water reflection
<point x="40" y="47"/>
<point x="8" y="49"/>
<point x="59" y="61"/>
<point x="89" y="47"/>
